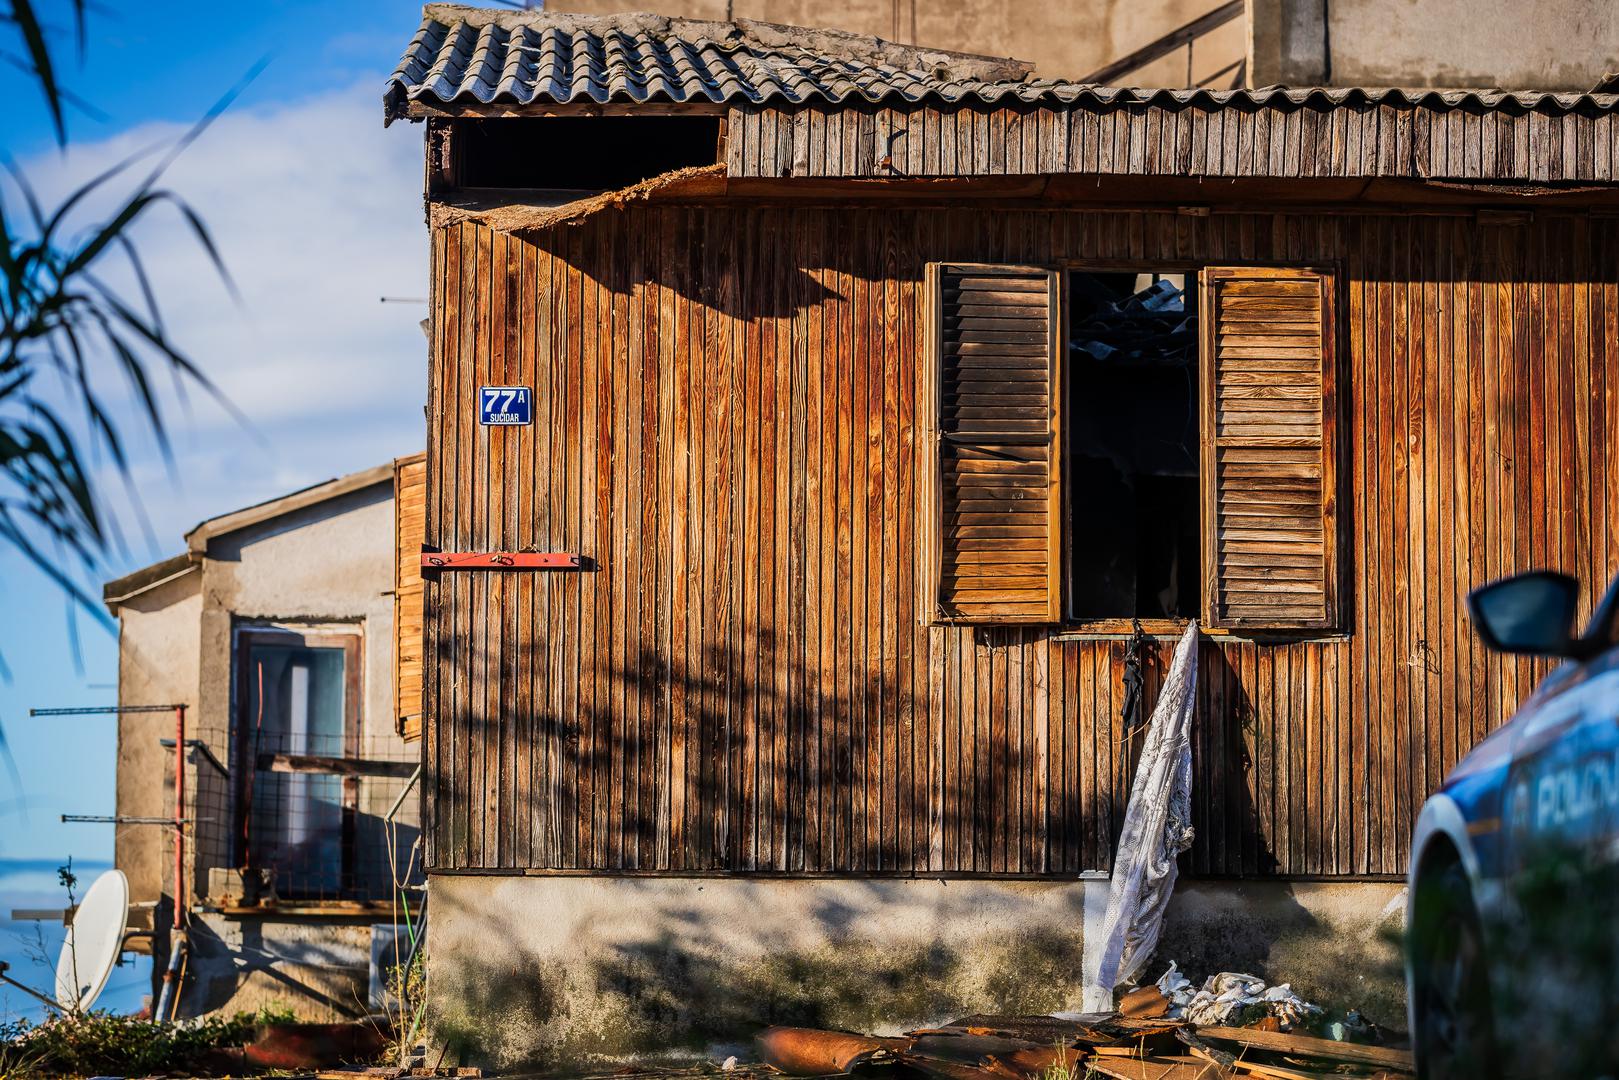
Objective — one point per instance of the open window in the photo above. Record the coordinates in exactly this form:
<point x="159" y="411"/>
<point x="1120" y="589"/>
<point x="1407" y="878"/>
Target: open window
<point x="1132" y="469"/>
<point x="298" y="721"/>
<point x="1157" y="446"/>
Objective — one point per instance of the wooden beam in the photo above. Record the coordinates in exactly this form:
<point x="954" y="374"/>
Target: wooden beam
<point x="62" y="915"/>
<point x="335" y="766"/>
<point x="1306" y="1046"/>
<point x="1175" y="39"/>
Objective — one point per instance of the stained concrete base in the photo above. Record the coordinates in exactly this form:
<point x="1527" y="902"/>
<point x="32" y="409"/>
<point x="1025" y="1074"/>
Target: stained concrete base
<point x="547" y="971"/>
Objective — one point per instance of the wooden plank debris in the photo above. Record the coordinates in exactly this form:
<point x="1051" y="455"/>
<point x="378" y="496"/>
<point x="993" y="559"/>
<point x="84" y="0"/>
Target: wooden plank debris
<point x="1307" y="1046"/>
<point x="1111" y="1045"/>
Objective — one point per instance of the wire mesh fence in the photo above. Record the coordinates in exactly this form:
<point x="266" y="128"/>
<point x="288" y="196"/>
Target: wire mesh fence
<point x="303" y="815"/>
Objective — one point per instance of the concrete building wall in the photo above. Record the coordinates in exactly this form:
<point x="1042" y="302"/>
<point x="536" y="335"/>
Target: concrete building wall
<point x="547" y="971"/>
<point x="318" y="969"/>
<point x="1062" y="40"/>
<point x="158" y="662"/>
<point x="1550" y="45"/>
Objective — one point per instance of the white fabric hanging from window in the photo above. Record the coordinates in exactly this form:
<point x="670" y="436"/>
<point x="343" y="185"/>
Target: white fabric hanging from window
<point x="1157" y="828"/>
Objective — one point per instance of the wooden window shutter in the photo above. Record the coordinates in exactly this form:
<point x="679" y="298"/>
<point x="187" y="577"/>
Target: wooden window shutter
<point x="410" y="530"/>
<point x="995" y="445"/>
<point x="1269" y="463"/>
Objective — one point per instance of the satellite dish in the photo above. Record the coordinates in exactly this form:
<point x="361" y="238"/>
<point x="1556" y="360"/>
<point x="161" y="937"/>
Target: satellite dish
<point x="93" y="942"/>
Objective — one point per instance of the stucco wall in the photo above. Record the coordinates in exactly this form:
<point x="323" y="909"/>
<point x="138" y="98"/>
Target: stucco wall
<point x="1062" y="40"/>
<point x="1548" y="45"/>
<point x="541" y="971"/>
<point x="157" y="664"/>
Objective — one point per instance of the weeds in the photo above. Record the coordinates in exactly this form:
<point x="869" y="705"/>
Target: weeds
<point x="408" y="988"/>
<point x="99" y="1044"/>
<point x="1061" y="1069"/>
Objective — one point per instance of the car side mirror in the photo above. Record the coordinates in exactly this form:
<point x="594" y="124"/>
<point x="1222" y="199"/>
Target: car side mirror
<point x="1530" y="613"/>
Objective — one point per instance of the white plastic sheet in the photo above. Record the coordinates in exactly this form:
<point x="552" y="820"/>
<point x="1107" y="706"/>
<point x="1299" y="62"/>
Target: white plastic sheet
<point x="1157" y="828"/>
<point x="1225" y="996"/>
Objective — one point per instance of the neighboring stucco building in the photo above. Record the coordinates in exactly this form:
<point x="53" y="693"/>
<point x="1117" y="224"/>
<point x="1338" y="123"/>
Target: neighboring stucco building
<point x="275" y="628"/>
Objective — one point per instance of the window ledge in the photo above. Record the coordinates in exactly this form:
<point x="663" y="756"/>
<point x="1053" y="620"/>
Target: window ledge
<point x="327" y="909"/>
<point x="1171" y="630"/>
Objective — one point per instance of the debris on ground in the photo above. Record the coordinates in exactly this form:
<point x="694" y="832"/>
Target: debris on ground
<point x="1142" y="1046"/>
<point x="1231" y="997"/>
<point x="1145" y="1001"/>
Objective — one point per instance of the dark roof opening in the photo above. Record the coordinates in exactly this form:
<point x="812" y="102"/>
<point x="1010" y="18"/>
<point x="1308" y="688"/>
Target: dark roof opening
<point x="582" y="153"/>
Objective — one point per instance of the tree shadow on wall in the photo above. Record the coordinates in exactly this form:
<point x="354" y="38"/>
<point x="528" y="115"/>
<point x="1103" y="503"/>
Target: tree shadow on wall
<point x="744" y="264"/>
<point x="656" y="967"/>
<point x="696" y="756"/>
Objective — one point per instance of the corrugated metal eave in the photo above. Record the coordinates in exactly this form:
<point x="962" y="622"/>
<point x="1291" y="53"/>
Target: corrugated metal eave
<point x="1077" y="95"/>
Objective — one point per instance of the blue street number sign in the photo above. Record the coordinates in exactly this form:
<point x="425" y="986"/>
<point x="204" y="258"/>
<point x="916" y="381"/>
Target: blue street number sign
<point x="501" y="405"/>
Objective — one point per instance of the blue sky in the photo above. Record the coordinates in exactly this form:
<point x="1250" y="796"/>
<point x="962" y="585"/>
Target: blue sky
<point x="317" y="211"/>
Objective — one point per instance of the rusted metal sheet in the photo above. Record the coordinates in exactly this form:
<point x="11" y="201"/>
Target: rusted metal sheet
<point x="440" y="561"/>
<point x="811" y="1052"/>
<point x="728" y="428"/>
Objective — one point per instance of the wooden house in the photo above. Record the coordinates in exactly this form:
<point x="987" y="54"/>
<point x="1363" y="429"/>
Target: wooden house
<point x="889" y="413"/>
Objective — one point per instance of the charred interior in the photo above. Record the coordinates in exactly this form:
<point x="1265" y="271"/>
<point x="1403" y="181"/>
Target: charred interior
<point x="581" y="153"/>
<point x="1133" y="445"/>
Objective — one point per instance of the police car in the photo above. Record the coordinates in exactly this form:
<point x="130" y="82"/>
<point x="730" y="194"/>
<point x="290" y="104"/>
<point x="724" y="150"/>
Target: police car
<point x="1513" y="918"/>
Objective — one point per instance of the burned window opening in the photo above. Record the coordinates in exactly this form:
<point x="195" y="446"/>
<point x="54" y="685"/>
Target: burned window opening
<point x="581" y="153"/>
<point x="1132" y="468"/>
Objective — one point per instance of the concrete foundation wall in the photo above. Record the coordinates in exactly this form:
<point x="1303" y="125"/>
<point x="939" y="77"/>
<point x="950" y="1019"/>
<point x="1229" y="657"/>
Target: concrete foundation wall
<point x="318" y="970"/>
<point x="1337" y="943"/>
<point x="546" y="971"/>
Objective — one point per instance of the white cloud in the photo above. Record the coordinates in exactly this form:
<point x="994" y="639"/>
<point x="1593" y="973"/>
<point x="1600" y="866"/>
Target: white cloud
<point x="317" y="211"/>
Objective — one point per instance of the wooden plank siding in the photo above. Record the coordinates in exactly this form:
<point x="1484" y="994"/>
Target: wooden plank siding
<point x="1280" y="140"/>
<point x="727" y="424"/>
<point x="410" y="526"/>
